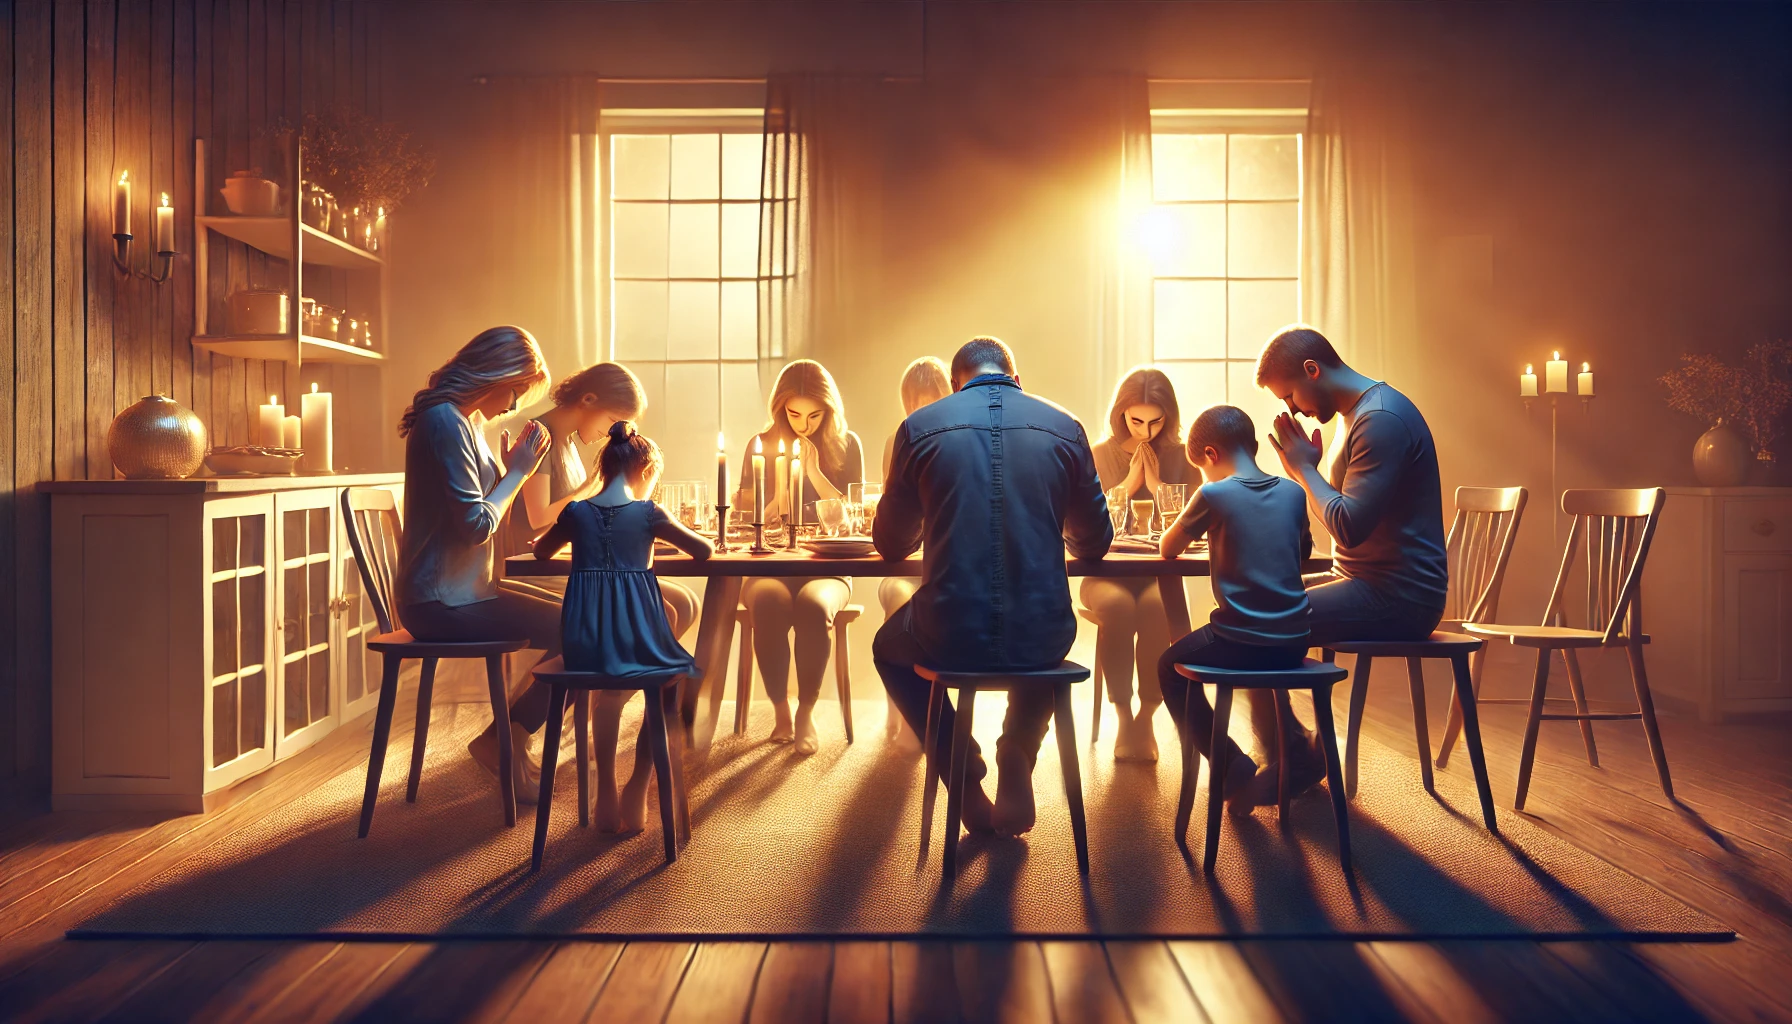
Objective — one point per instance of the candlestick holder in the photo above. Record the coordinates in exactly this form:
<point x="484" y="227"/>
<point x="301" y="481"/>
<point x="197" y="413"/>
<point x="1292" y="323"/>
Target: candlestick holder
<point x="722" y="529"/>
<point x="759" y="547"/>
<point x="791" y="526"/>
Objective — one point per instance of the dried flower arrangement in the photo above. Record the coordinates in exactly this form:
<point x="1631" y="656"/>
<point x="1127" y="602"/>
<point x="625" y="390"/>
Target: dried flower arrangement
<point x="1752" y="397"/>
<point x="362" y="160"/>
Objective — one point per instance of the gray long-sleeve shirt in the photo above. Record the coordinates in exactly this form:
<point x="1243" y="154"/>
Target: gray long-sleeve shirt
<point x="1387" y="520"/>
<point x="447" y="552"/>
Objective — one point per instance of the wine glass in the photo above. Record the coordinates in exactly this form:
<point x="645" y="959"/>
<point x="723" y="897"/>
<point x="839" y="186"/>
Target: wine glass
<point x="1170" y="500"/>
<point x="1117" y="507"/>
<point x="830" y="513"/>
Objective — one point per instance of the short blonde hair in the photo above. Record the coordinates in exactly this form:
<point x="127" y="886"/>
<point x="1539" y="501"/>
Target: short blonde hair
<point x="924" y="381"/>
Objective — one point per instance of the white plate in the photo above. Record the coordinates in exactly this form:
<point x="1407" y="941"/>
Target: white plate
<point x="840" y="547"/>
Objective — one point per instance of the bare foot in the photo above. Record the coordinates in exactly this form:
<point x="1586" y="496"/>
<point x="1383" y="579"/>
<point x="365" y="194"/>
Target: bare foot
<point x="1241" y="784"/>
<point x="782" y="731"/>
<point x="977" y="811"/>
<point x="633" y="804"/>
<point x="893" y="722"/>
<point x="607" y="811"/>
<point x="1306" y="769"/>
<point x="526" y="769"/>
<point x="1014" y="814"/>
<point x="1135" y="742"/>
<point x="806" y="741"/>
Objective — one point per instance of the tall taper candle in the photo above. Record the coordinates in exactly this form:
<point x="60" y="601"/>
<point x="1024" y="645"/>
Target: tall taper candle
<point x="1556" y="375"/>
<point x="796" y="484"/>
<point x="721" y="469"/>
<point x="317" y="416"/>
<point x="271" y="418"/>
<point x="781" y="475"/>
<point x="758" y="481"/>
<point x="164" y="227"/>
<point x="121" y="204"/>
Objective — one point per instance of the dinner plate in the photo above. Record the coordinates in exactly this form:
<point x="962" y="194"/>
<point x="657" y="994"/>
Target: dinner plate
<point x="841" y="547"/>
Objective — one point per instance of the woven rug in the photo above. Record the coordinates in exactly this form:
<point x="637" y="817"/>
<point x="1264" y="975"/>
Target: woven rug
<point x="826" y="846"/>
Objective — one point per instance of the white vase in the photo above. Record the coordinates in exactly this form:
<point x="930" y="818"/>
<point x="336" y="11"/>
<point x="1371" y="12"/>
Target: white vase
<point x="1721" y="458"/>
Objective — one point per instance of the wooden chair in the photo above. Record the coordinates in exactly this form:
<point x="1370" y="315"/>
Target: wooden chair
<point x="374" y="533"/>
<point x="1618" y="526"/>
<point x="743" y="686"/>
<point x="1480" y="546"/>
<point x="968" y="685"/>
<point x="661" y="694"/>
<point x="1095" y="715"/>
<point x="1316" y="677"/>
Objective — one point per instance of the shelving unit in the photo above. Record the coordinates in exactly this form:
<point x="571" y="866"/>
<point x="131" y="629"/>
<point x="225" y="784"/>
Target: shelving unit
<point x="283" y="237"/>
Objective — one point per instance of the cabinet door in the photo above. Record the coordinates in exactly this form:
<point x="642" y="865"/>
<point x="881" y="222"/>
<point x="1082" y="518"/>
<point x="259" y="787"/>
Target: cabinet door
<point x="306" y="703"/>
<point x="1758" y="627"/>
<point x="239" y="720"/>
<point x="356" y="624"/>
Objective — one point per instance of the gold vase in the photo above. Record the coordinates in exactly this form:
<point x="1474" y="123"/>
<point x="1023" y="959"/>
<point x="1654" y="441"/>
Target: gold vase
<point x="156" y="439"/>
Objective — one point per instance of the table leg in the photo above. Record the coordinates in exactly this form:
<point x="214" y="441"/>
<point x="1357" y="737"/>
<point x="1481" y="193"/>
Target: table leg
<point x="715" y="633"/>
<point x="1175" y="599"/>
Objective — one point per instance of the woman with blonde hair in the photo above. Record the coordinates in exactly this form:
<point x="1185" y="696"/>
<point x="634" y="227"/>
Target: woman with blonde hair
<point x="1143" y="449"/>
<point x="455" y="497"/>
<point x="805" y="406"/>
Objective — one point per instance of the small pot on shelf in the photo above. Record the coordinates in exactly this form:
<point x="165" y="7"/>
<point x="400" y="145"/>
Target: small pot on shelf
<point x="248" y="194"/>
<point x="156" y="439"/>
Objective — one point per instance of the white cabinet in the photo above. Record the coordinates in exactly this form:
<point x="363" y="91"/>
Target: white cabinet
<point x="202" y="631"/>
<point x="1720" y="600"/>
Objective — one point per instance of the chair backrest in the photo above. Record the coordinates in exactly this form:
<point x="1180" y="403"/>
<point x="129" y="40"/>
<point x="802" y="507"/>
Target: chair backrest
<point x="1618" y="525"/>
<point x="1479" y="546"/>
<point x="374" y="533"/>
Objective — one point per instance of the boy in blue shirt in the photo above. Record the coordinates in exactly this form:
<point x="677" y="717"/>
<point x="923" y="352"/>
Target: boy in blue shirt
<point x="1257" y="540"/>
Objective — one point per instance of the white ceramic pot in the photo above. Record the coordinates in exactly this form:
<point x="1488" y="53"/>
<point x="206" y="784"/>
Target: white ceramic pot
<point x="1720" y="457"/>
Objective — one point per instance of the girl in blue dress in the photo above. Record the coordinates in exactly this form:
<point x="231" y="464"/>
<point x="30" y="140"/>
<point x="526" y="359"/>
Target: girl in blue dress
<point x="613" y="619"/>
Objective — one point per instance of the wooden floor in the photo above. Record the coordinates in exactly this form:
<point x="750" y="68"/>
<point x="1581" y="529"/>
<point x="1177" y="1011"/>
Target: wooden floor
<point x="1728" y="851"/>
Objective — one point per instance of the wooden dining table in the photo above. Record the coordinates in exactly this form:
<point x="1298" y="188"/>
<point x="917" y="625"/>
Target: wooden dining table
<point x="724" y="573"/>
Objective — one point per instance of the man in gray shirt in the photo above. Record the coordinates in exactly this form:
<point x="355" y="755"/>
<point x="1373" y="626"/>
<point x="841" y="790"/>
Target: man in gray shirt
<point x="1382" y="503"/>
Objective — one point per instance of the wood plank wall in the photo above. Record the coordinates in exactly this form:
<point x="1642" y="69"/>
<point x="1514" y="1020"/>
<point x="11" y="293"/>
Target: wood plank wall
<point x="95" y="87"/>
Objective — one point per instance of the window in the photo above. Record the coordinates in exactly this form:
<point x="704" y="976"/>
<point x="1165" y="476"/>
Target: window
<point x="683" y="263"/>
<point x="1224" y="240"/>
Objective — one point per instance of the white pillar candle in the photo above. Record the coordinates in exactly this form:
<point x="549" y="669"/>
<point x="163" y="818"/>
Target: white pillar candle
<point x="1556" y="378"/>
<point x="758" y="481"/>
<point x="121" y="204"/>
<point x="1527" y="382"/>
<point x="316" y="418"/>
<point x="164" y="226"/>
<point x="289" y="433"/>
<point x="271" y="419"/>
<point x="1585" y="383"/>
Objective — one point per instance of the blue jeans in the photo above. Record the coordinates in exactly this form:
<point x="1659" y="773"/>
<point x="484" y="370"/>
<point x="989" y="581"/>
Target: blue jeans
<point x="1351" y="609"/>
<point x="1187" y="703"/>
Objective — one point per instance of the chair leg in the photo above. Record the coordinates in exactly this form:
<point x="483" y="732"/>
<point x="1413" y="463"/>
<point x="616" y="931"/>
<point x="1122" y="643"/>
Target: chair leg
<point x="1328" y="737"/>
<point x="1453" y="724"/>
<point x="1216" y="773"/>
<point x="743" y="680"/>
<point x="1645" y="703"/>
<point x="1421" y="728"/>
<point x="930" y="771"/>
<point x="1283" y="710"/>
<point x="1191" y="770"/>
<point x="494" y="681"/>
<point x="581" y="745"/>
<point x="1580" y="704"/>
<point x="675" y="747"/>
<point x="382" y="731"/>
<point x="426" y="688"/>
<point x="1538" y="686"/>
<point x="961" y="756"/>
<point x="1463" y="678"/>
<point x="843" y="676"/>
<point x="1065" y="723"/>
<point x="550" y="760"/>
<point x="1095" y="714"/>
<point x="1359" y="696"/>
<point x="662" y="770"/>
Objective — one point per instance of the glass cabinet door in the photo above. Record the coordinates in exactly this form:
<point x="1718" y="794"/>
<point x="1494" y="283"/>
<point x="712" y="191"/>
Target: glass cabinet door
<point x="238" y="551"/>
<point x="305" y="596"/>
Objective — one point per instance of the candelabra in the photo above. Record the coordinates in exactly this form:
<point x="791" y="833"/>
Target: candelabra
<point x="1555" y="385"/>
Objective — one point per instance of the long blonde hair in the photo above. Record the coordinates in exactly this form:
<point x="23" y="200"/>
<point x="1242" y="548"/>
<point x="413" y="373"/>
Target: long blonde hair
<point x="806" y="378"/>
<point x="496" y="356"/>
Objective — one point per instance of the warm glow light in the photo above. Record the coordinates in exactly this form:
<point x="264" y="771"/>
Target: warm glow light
<point x="123" y="177"/>
<point x="1586" y="367"/>
<point x="1529" y="369"/>
<point x="1555" y="355"/>
<point x="164" y="200"/>
<point x="721" y="445"/>
<point x="273" y="401"/>
<point x="1153" y="231"/>
<point x="758" y="447"/>
<point x="314" y="387"/>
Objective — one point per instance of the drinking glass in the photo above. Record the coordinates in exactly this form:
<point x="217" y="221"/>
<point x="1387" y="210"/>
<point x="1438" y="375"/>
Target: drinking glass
<point x="1117" y="508"/>
<point x="1141" y="516"/>
<point x="1170" y="500"/>
<point x="830" y="513"/>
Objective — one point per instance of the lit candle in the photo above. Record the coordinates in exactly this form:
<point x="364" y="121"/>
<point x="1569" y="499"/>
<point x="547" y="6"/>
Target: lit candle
<point x="121" y="204"/>
<point x="1527" y="382"/>
<point x="164" y="227"/>
<point x="289" y="433"/>
<point x="796" y="483"/>
<point x="367" y="238"/>
<point x="721" y="469"/>
<point x="758" y="481"/>
<point x="1556" y="378"/>
<point x="272" y="420"/>
<point x="317" y="412"/>
<point x="1585" y="383"/>
<point x="781" y="475"/>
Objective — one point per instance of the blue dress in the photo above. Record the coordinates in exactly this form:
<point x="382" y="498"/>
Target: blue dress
<point x="612" y="620"/>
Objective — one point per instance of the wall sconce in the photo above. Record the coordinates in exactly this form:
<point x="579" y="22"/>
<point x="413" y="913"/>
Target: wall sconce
<point x="162" y="259"/>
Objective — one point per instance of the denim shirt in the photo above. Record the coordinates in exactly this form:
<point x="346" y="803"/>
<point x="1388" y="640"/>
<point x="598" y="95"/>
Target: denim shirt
<point x="998" y="484"/>
<point x="446" y="553"/>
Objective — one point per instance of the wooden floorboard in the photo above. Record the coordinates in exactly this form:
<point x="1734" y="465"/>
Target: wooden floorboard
<point x="1722" y="850"/>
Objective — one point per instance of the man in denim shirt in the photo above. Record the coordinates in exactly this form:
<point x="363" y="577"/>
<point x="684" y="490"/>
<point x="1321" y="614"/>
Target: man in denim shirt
<point x="998" y="484"/>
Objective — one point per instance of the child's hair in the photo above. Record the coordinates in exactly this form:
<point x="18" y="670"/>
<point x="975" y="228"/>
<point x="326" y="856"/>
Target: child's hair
<point x="616" y="389"/>
<point x="924" y="381"/>
<point x="627" y="453"/>
<point x="1222" y="428"/>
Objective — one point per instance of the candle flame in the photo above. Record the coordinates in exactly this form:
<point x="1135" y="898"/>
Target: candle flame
<point x="272" y="400"/>
<point x="721" y="445"/>
<point x="314" y="387"/>
<point x="780" y="446"/>
<point x="758" y="447"/>
<point x="165" y="200"/>
<point x="1586" y="367"/>
<point x="123" y="176"/>
<point x="1557" y="356"/>
<point x="1529" y="369"/>
<point x="796" y="449"/>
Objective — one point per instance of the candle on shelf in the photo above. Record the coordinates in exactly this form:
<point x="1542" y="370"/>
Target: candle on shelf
<point x="721" y="470"/>
<point x="164" y="227"/>
<point x="796" y="484"/>
<point x="316" y="417"/>
<point x="1556" y="377"/>
<point x="781" y="474"/>
<point x="758" y="480"/>
<point x="1585" y="383"/>
<point x="272" y="421"/>
<point x="121" y="205"/>
<point x="289" y="433"/>
<point x="1527" y="382"/>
